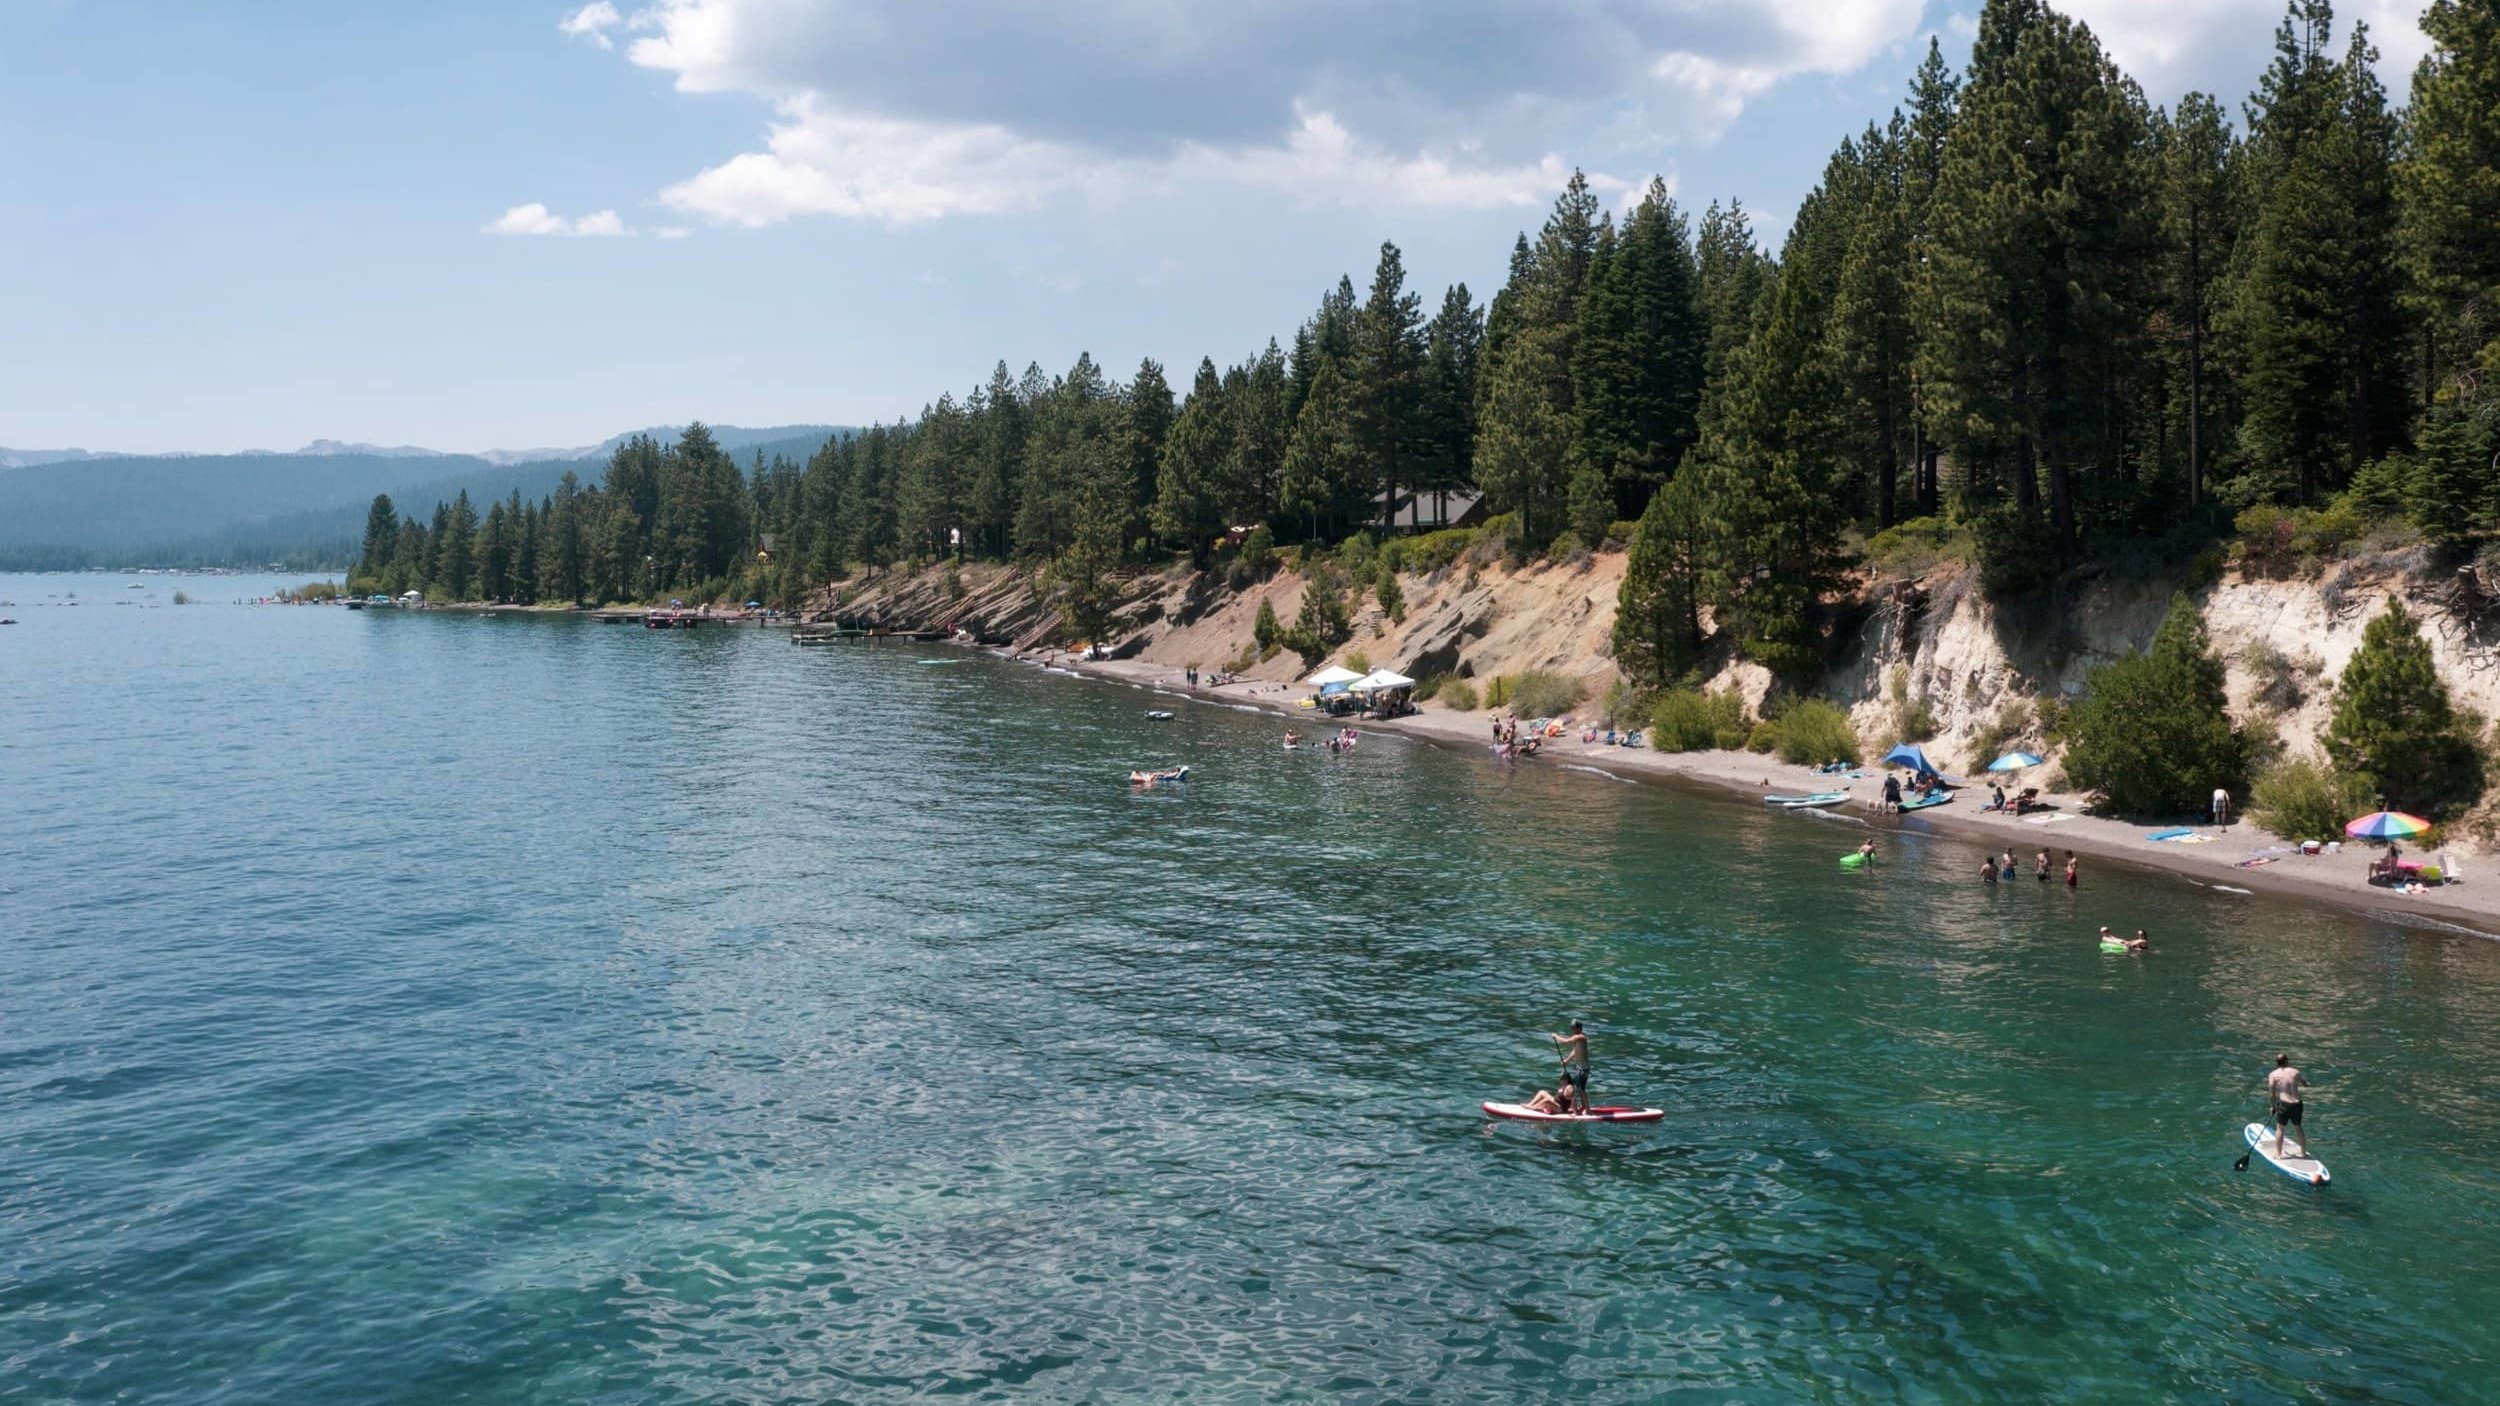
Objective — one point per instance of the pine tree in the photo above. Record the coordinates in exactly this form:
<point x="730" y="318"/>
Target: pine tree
<point x="494" y="555"/>
<point x="1144" y="423"/>
<point x="2198" y="218"/>
<point x="1730" y="277"/>
<point x="2153" y="734"/>
<point x="1524" y="421"/>
<point x="2395" y="726"/>
<point x="1323" y="465"/>
<point x="2315" y="298"/>
<point x="1386" y="388"/>
<point x="2450" y="183"/>
<point x="381" y="536"/>
<point x="1637" y="358"/>
<point x="1189" y="491"/>
<point x="1867" y="339"/>
<point x="2036" y="287"/>
<point x="455" y="543"/>
<point x="1262" y="433"/>
<point x="1446" y="410"/>
<point x="1657" y="633"/>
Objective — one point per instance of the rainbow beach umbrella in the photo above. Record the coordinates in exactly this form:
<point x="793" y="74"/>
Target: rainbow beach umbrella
<point x="2387" y="825"/>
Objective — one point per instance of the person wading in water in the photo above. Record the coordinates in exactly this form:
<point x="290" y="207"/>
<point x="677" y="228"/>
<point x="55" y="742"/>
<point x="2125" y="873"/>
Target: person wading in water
<point x="1575" y="1063"/>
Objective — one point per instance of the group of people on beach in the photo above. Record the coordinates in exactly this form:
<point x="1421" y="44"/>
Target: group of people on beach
<point x="1506" y="743"/>
<point x="1995" y="869"/>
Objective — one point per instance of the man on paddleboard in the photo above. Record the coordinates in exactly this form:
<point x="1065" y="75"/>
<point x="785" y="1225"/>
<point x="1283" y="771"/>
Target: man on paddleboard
<point x="2283" y="1088"/>
<point x="1575" y="1064"/>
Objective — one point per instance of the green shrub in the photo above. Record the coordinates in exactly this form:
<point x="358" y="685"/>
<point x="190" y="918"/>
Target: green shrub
<point x="1620" y="532"/>
<point x="1912" y="719"/>
<point x="1492" y="539"/>
<point x="1425" y="689"/>
<point x="1357" y="557"/>
<point x="1622" y="705"/>
<point x="1435" y="550"/>
<point x="1458" y="695"/>
<point x="1997" y="736"/>
<point x="1358" y="661"/>
<point x="1911" y="548"/>
<point x="1542" y="695"/>
<point x="2382" y="487"/>
<point x="1764" y="736"/>
<point x="2152" y="735"/>
<point x="2394" y="726"/>
<point x="1266" y="630"/>
<point x="1813" y="731"/>
<point x="1258" y="553"/>
<point x="2017" y="551"/>
<point x="2301" y="800"/>
<point x="1392" y="598"/>
<point x="1688" y="720"/>
<point x="1497" y="691"/>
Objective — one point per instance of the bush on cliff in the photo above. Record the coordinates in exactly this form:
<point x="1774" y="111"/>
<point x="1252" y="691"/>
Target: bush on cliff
<point x="1814" y="731"/>
<point x="1688" y="720"/>
<point x="2304" y="801"/>
<point x="1457" y="695"/>
<point x="2152" y="736"/>
<point x="2394" y="728"/>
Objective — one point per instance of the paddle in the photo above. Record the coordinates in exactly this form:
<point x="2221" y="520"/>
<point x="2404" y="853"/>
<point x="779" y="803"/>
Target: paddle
<point x="2242" y="1164"/>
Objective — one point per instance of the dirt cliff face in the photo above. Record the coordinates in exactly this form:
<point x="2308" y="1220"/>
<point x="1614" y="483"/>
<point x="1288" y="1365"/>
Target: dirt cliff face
<point x="1476" y="622"/>
<point x="1964" y="658"/>
<point x="2283" y="642"/>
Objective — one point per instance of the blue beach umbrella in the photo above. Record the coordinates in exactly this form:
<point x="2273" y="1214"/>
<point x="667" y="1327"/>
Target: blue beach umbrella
<point x="2015" y="761"/>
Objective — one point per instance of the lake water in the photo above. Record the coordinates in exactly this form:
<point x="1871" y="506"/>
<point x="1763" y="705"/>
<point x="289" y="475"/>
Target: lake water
<point x="420" y="1008"/>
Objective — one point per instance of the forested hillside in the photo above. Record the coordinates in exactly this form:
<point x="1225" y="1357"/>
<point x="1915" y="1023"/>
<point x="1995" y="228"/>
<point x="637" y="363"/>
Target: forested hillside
<point x="2030" y="320"/>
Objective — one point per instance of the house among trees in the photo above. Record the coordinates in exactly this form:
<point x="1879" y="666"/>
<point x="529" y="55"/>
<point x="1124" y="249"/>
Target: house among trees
<point x="1429" y="511"/>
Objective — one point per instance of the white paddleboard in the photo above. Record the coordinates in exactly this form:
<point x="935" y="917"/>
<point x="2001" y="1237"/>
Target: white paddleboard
<point x="2308" y="1169"/>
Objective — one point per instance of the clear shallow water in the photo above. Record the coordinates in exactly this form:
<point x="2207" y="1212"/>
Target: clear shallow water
<point x="413" y="1009"/>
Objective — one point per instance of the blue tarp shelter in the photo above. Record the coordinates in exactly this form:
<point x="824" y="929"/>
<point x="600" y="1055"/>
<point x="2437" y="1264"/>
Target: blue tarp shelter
<point x="1909" y="755"/>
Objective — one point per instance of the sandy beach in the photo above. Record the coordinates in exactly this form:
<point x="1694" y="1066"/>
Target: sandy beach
<point x="2212" y="858"/>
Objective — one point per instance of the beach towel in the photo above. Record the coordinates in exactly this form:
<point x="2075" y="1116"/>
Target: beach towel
<point x="2050" y="819"/>
<point x="2178" y="834"/>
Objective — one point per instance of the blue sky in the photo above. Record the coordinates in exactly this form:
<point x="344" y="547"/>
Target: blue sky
<point x="471" y="225"/>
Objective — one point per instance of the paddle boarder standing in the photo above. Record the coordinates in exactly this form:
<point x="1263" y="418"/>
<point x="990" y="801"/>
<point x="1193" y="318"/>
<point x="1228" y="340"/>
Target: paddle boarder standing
<point x="2283" y="1088"/>
<point x="1575" y="1063"/>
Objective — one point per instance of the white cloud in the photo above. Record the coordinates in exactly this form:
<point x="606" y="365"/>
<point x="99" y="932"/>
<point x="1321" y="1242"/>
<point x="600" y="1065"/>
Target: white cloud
<point x="1320" y="161"/>
<point x="2220" y="46"/>
<point x="824" y="162"/>
<point x="591" y="22"/>
<point x="899" y="112"/>
<point x="537" y="219"/>
<point x="673" y="232"/>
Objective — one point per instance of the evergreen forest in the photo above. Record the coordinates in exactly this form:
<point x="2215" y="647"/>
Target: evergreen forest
<point x="2030" y="315"/>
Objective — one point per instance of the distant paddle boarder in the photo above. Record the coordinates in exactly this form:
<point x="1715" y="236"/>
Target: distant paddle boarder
<point x="1575" y="1064"/>
<point x="2283" y="1086"/>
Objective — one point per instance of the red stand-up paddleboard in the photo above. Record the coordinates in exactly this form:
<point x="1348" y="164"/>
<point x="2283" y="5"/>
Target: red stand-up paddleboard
<point x="1601" y="1114"/>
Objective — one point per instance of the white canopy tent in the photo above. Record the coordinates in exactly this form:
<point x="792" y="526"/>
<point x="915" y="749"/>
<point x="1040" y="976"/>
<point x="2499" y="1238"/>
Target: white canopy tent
<point x="1379" y="679"/>
<point x="1334" y="673"/>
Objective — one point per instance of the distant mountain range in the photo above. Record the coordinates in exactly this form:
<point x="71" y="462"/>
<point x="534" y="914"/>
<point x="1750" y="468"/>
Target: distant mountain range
<point x="732" y="438"/>
<point x="304" y="509"/>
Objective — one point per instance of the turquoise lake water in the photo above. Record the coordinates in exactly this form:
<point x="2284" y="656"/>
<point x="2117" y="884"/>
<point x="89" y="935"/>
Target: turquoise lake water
<point x="427" y="1008"/>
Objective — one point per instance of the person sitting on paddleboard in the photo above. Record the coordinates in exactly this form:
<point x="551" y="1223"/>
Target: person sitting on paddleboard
<point x="2283" y="1088"/>
<point x="1575" y="1065"/>
<point x="1554" y="1100"/>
